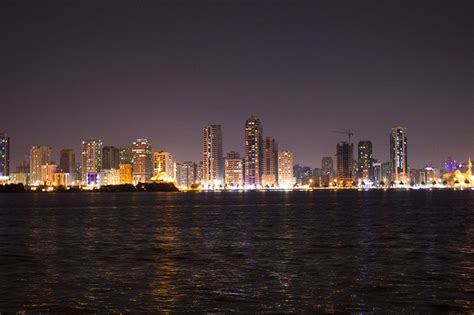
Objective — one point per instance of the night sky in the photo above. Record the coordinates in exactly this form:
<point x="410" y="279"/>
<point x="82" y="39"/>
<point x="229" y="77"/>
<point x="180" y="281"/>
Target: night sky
<point x="72" y="70"/>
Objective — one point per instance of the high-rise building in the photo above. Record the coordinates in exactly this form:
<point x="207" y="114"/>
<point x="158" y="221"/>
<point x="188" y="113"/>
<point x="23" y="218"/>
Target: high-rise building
<point x="142" y="161"/>
<point x="163" y="166"/>
<point x="91" y="157"/>
<point x="199" y="175"/>
<point x="285" y="169"/>
<point x="126" y="174"/>
<point x="344" y="163"/>
<point x="302" y="174"/>
<point x="365" y="168"/>
<point x="110" y="158"/>
<point x="213" y="160"/>
<point x="398" y="155"/>
<point x="67" y="161"/>
<point x="377" y="173"/>
<point x="39" y="155"/>
<point x="126" y="155"/>
<point x="270" y="163"/>
<point x="327" y="171"/>
<point x="4" y="154"/>
<point x="234" y="176"/>
<point x="185" y="174"/>
<point x="253" y="138"/>
<point x="386" y="173"/>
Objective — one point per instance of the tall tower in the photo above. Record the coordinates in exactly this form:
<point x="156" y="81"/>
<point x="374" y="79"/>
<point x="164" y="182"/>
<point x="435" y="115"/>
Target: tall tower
<point x="91" y="157"/>
<point x="212" y="158"/>
<point x="142" y="161"/>
<point x="39" y="155"/>
<point x="365" y="168"/>
<point x="110" y="158"/>
<point x="4" y="154"/>
<point x="285" y="169"/>
<point x="270" y="162"/>
<point x="345" y="161"/>
<point x="398" y="155"/>
<point x="253" y="137"/>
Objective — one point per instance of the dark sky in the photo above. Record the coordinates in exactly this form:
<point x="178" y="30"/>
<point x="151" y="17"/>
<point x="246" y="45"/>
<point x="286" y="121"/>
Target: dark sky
<point x="71" y="70"/>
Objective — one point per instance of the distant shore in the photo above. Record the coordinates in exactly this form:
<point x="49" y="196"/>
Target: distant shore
<point x="170" y="187"/>
<point x="150" y="187"/>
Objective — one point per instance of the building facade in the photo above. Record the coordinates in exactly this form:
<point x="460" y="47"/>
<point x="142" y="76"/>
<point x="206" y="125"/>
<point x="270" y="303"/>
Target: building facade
<point x="345" y="164"/>
<point x="126" y="174"/>
<point x="270" y="163"/>
<point x="47" y="174"/>
<point x="91" y="157"/>
<point x="399" y="155"/>
<point x="67" y="161"/>
<point x="163" y="167"/>
<point x="386" y="173"/>
<point x="110" y="158"/>
<point x="377" y="173"/>
<point x="186" y="174"/>
<point x="213" y="160"/>
<point x="327" y="171"/>
<point x="253" y="142"/>
<point x="126" y="155"/>
<point x="365" y="160"/>
<point x="39" y="155"/>
<point x="285" y="169"/>
<point x="234" y="176"/>
<point x="109" y="177"/>
<point x="142" y="161"/>
<point x="4" y="154"/>
<point x="61" y="179"/>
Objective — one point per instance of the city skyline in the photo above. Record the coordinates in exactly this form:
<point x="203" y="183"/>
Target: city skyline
<point x="169" y="70"/>
<point x="56" y="155"/>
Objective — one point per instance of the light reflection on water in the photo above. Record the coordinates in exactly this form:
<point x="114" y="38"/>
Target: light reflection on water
<point x="273" y="251"/>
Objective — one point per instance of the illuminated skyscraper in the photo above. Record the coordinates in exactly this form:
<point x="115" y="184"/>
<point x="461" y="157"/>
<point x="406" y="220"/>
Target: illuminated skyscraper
<point x="234" y="176"/>
<point x="110" y="158"/>
<point x="39" y="155"/>
<point x="253" y="138"/>
<point x="365" y="169"/>
<point x="285" y="169"/>
<point x="213" y="160"/>
<point x="4" y="154"/>
<point x="270" y="163"/>
<point x="163" y="166"/>
<point x="142" y="161"/>
<point x="398" y="155"/>
<point x="345" y="163"/>
<point x="91" y="157"/>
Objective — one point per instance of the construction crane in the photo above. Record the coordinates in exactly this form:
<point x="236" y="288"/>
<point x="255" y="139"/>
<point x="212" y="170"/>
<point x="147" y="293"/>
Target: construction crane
<point x="349" y="133"/>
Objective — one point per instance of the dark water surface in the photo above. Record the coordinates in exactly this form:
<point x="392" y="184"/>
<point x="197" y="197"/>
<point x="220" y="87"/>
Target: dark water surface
<point x="210" y="252"/>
